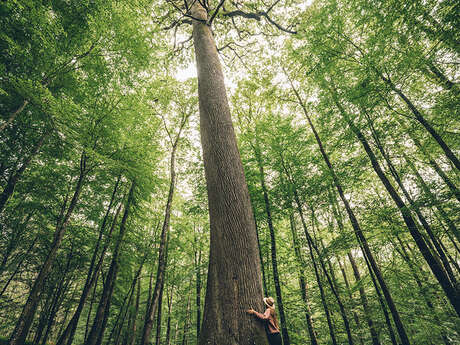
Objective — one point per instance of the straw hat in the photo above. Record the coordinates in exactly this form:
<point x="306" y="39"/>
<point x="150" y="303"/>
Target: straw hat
<point x="269" y="302"/>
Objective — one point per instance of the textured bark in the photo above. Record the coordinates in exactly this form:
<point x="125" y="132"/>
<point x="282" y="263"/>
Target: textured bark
<point x="302" y="282"/>
<point x="438" y="271"/>
<point x="100" y="321"/>
<point x="357" y="228"/>
<point x="234" y="273"/>
<point x="24" y="322"/>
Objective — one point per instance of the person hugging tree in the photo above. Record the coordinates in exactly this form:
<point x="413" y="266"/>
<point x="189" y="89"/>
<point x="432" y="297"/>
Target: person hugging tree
<point x="271" y="322"/>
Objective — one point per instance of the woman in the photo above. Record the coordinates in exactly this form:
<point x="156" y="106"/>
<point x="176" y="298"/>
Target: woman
<point x="272" y="328"/>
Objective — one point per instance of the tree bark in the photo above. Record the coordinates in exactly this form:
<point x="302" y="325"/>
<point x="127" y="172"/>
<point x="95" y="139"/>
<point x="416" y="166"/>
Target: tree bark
<point x="234" y="273"/>
<point x="168" y="323"/>
<point x="197" y="285"/>
<point x="454" y="190"/>
<point x="318" y="279"/>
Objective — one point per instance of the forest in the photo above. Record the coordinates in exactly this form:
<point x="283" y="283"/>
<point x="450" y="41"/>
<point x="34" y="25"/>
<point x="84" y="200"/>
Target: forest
<point x="165" y="165"/>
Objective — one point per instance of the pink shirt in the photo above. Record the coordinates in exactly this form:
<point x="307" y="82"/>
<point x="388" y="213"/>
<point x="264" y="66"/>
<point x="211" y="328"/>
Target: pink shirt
<point x="271" y="321"/>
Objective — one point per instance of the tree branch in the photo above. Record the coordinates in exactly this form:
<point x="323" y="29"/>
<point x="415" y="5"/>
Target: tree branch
<point x="258" y="16"/>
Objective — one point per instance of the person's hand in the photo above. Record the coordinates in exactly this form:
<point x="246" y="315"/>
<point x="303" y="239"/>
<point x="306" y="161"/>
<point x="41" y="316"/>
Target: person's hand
<point x="250" y="311"/>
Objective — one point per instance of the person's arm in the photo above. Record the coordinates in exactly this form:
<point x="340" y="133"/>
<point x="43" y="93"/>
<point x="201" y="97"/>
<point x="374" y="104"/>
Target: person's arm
<point x="264" y="316"/>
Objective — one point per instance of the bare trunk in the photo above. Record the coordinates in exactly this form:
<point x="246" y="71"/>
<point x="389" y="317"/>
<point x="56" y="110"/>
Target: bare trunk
<point x="234" y="273"/>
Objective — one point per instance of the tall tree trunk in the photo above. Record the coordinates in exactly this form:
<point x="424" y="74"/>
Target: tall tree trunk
<point x="14" y="240"/>
<point x="451" y="292"/>
<point x="100" y="321"/>
<point x="381" y="301"/>
<point x="302" y="282"/>
<point x="88" y="318"/>
<point x="233" y="283"/>
<point x="186" y="322"/>
<point x="133" y="329"/>
<point x="367" y="312"/>
<point x="356" y="227"/>
<point x="423" y="292"/>
<point x="22" y="327"/>
<point x="69" y="332"/>
<point x="18" y="266"/>
<point x="271" y="228"/>
<point x="15" y="176"/>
